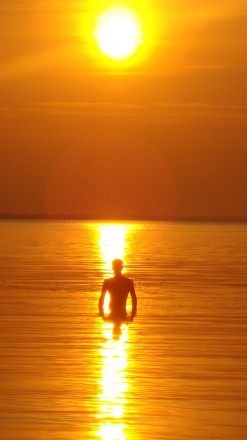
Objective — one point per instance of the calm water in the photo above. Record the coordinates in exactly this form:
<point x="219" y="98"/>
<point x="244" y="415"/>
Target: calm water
<point x="178" y="372"/>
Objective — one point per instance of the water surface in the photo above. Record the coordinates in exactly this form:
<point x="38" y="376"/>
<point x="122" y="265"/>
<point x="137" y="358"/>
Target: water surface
<point x="177" y="372"/>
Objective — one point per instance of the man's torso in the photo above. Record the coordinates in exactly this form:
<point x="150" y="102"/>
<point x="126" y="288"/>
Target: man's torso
<point x="118" y="288"/>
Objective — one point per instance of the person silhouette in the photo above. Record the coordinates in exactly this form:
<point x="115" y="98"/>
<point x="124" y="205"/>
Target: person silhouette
<point x="118" y="288"/>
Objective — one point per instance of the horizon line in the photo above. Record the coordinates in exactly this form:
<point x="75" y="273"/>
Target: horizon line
<point x="223" y="219"/>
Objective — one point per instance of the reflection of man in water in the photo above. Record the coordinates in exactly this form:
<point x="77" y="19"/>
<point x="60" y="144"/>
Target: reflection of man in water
<point x="118" y="288"/>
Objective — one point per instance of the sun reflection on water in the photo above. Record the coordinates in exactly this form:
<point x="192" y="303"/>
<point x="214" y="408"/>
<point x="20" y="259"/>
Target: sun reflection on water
<point x="112" y="243"/>
<point x="114" y="351"/>
<point x="114" y="384"/>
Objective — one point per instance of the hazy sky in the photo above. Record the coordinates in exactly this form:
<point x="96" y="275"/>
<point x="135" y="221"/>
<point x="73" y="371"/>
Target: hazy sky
<point x="161" y="135"/>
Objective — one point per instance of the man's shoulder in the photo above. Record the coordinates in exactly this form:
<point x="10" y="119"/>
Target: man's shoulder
<point x="128" y="280"/>
<point x="125" y="280"/>
<point x="108" y="280"/>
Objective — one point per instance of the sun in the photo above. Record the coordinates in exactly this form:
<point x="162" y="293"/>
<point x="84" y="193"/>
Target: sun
<point x="118" y="32"/>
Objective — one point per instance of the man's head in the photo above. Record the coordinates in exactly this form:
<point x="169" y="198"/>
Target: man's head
<point x="117" y="266"/>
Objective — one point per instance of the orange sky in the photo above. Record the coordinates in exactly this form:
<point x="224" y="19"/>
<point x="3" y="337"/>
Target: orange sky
<point x="163" y="136"/>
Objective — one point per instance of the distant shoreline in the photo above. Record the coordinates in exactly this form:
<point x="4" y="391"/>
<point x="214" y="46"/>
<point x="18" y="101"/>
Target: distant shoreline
<point x="124" y="219"/>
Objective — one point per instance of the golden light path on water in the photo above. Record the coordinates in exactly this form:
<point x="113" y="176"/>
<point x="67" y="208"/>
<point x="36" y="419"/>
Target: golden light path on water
<point x="113" y="384"/>
<point x="112" y="243"/>
<point x="114" y="352"/>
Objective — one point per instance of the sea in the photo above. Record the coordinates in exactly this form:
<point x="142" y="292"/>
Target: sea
<point x="177" y="372"/>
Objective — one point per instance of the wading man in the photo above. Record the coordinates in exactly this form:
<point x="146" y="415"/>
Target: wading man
<point x="118" y="288"/>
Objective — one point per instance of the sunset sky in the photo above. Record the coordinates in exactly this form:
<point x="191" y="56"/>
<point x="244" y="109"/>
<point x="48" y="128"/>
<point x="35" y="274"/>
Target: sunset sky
<point x="161" y="134"/>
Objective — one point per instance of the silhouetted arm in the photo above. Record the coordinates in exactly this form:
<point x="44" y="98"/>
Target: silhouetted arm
<point x="101" y="299"/>
<point x="134" y="300"/>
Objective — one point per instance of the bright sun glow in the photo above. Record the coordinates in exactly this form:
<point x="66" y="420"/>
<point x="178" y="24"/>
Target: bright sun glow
<point x="118" y="32"/>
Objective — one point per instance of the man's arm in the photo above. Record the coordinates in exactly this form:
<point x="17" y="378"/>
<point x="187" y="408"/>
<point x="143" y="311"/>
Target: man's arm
<point x="101" y="299"/>
<point x="134" y="300"/>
